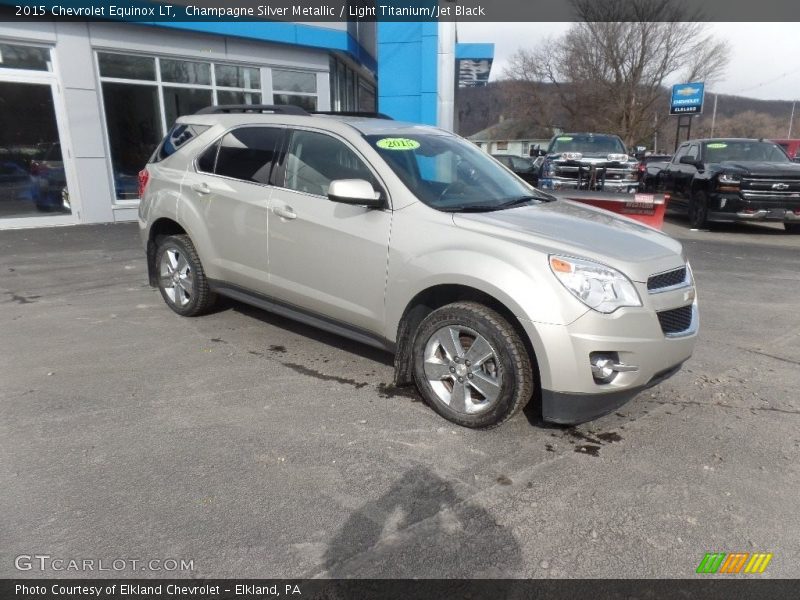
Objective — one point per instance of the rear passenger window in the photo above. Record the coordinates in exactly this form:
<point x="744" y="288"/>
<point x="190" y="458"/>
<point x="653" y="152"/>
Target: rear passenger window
<point x="247" y="153"/>
<point x="177" y="137"/>
<point x="316" y="159"/>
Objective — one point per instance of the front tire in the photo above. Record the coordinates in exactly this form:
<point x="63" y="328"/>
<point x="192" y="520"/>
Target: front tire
<point x="181" y="278"/>
<point x="792" y="227"/>
<point x="471" y="366"/>
<point x="698" y="210"/>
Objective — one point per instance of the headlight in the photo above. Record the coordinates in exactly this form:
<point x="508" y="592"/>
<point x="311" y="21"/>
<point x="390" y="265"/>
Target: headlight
<point x="599" y="287"/>
<point x="728" y="179"/>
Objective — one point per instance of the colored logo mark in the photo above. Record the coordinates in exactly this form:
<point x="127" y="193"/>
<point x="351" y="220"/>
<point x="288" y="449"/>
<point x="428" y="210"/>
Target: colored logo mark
<point x="735" y="562"/>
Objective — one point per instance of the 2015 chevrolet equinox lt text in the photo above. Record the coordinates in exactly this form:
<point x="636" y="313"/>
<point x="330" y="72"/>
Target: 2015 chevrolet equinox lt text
<point x="411" y="239"/>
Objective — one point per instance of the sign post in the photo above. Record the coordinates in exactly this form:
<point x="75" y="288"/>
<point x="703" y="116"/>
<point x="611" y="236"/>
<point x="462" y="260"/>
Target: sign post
<point x="686" y="101"/>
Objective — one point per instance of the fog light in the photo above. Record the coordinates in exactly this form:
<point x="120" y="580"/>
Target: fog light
<point x="606" y="365"/>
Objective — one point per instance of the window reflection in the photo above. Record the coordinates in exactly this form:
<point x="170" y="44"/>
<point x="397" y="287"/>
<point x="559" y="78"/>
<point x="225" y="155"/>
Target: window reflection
<point x="32" y="176"/>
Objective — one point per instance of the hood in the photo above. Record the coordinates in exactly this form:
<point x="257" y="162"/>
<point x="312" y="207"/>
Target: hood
<point x="760" y="168"/>
<point x="574" y="229"/>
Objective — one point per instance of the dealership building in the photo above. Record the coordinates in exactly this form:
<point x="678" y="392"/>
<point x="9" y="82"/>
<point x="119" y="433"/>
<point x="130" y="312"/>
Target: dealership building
<point x="83" y="104"/>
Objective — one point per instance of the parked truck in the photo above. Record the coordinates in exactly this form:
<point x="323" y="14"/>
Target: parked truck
<point x="596" y="169"/>
<point x="727" y="180"/>
<point x="588" y="161"/>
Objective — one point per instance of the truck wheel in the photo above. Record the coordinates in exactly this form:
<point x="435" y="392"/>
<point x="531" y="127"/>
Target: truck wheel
<point x="471" y="365"/>
<point x="181" y="279"/>
<point x="792" y="227"/>
<point x="698" y="210"/>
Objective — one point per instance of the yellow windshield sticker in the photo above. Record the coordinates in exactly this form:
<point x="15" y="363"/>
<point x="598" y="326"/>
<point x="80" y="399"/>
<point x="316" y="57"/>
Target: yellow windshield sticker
<point x="564" y="139"/>
<point x="716" y="145"/>
<point x="397" y="144"/>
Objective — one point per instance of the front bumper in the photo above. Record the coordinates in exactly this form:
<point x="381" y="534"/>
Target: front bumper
<point x="570" y="408"/>
<point x="733" y="208"/>
<point x="620" y="186"/>
<point x="570" y="394"/>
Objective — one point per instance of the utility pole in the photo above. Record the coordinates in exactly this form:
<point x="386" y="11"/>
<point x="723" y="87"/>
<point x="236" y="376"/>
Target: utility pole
<point x="714" y="116"/>
<point x="791" y="122"/>
<point x="655" y="133"/>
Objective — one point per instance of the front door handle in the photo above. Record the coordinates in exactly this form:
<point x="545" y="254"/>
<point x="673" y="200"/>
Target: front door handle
<point x="285" y="212"/>
<point x="201" y="188"/>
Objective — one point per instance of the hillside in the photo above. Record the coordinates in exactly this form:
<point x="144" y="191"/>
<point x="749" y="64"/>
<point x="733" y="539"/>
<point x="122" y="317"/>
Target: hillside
<point x="478" y="108"/>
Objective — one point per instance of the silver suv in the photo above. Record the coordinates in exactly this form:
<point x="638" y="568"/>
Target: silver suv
<point x="409" y="238"/>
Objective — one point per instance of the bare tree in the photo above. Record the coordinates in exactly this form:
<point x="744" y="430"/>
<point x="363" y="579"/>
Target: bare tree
<point x="610" y="69"/>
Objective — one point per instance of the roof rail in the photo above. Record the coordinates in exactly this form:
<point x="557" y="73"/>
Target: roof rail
<point x="279" y="109"/>
<point x="352" y="113"/>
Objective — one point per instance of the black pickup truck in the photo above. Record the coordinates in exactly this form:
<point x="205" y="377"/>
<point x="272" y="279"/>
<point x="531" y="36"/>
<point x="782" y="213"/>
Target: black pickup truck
<point x="726" y="180"/>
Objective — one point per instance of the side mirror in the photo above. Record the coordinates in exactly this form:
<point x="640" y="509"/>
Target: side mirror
<point x="688" y="160"/>
<point x="538" y="152"/>
<point x="355" y="191"/>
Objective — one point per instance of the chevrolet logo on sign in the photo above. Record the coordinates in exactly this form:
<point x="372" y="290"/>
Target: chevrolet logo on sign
<point x="687" y="91"/>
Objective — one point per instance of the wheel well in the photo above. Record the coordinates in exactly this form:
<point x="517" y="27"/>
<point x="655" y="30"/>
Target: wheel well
<point x="435" y="297"/>
<point x="161" y="228"/>
<point x="699" y="186"/>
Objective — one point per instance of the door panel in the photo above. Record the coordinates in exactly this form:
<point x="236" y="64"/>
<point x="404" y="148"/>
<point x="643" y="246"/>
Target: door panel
<point x="324" y="256"/>
<point x="234" y="203"/>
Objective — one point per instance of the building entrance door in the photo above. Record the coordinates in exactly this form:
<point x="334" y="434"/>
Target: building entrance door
<point x="34" y="163"/>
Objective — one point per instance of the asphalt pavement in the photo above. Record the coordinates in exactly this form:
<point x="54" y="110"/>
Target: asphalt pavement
<point x="257" y="447"/>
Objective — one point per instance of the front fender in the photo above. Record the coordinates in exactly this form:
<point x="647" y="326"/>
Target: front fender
<point x="531" y="294"/>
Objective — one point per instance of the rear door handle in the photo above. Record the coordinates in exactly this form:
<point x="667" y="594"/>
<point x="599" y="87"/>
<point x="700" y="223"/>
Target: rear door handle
<point x="285" y="212"/>
<point x="201" y="188"/>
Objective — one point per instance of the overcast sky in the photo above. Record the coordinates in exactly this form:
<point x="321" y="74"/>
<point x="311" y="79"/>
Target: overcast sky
<point x="765" y="57"/>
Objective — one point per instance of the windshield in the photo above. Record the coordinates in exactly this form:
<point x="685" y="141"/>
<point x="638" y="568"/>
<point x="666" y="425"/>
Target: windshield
<point x="449" y="173"/>
<point x="587" y="144"/>
<point x="744" y="150"/>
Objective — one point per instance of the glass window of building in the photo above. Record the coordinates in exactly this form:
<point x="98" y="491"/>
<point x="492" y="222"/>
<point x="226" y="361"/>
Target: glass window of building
<point x="185" y="71"/>
<point x="32" y="58"/>
<point x="32" y="176"/>
<point x="295" y="87"/>
<point x="349" y="91"/>
<point x="238" y="77"/>
<point x="144" y="95"/>
<point x="133" y="122"/>
<point x="123" y="66"/>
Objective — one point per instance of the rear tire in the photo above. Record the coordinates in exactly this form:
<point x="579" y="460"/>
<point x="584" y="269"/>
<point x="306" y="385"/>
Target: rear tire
<point x="792" y="227"/>
<point x="698" y="210"/>
<point x="181" y="278"/>
<point x="471" y="366"/>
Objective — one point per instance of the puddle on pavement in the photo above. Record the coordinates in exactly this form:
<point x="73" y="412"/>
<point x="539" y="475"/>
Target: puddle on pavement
<point x="388" y="390"/>
<point x="591" y="442"/>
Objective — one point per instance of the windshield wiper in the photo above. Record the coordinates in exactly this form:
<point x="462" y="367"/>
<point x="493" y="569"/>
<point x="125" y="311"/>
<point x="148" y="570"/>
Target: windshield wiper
<point x="520" y="200"/>
<point x="511" y="203"/>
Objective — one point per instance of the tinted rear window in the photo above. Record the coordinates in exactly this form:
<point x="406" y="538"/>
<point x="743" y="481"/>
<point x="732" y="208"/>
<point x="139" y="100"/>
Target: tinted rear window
<point x="179" y="135"/>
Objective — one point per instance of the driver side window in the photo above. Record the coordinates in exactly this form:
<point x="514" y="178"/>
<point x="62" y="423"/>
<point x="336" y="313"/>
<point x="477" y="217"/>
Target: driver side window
<point x="315" y="159"/>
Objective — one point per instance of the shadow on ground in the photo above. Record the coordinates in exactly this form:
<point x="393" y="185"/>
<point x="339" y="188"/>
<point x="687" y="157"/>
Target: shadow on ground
<point x="422" y="527"/>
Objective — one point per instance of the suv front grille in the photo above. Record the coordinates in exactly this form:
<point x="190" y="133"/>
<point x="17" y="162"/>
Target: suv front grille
<point x="676" y="320"/>
<point x="668" y="279"/>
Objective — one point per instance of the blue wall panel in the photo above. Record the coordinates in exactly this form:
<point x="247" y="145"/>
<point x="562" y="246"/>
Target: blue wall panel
<point x="408" y="71"/>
